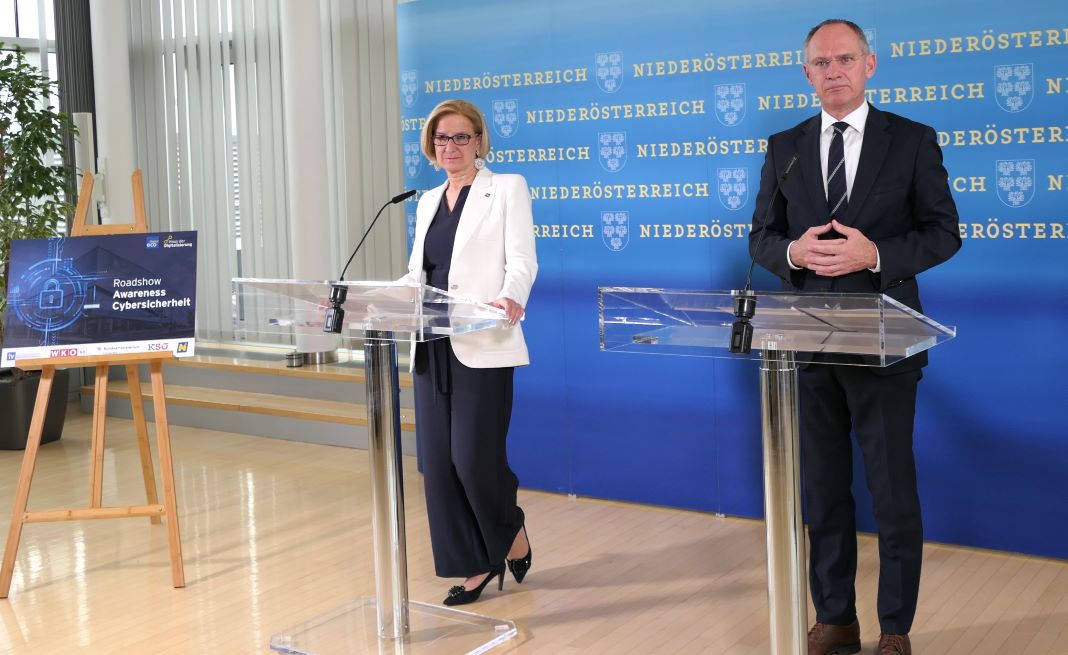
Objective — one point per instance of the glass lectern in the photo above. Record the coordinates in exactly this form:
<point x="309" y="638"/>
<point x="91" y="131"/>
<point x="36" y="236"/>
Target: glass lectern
<point x="848" y="329"/>
<point x="380" y="314"/>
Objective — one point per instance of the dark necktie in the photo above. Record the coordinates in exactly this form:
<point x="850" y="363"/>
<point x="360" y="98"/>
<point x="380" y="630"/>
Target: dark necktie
<point x="837" y="203"/>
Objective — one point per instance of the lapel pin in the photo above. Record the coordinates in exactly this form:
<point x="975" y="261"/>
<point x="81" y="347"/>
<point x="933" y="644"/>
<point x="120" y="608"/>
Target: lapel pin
<point x="487" y="194"/>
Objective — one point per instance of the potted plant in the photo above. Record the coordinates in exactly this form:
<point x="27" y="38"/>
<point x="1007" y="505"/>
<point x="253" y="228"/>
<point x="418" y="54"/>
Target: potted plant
<point x="33" y="202"/>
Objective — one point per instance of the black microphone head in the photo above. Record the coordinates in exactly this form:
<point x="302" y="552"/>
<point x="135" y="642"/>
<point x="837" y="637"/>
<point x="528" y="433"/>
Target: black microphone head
<point x="402" y="197"/>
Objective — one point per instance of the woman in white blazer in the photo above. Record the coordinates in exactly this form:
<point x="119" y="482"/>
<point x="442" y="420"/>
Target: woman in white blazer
<point x="474" y="236"/>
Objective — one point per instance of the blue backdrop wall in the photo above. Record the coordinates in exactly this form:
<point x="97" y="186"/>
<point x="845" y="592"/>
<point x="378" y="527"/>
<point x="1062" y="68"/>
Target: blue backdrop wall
<point x="641" y="128"/>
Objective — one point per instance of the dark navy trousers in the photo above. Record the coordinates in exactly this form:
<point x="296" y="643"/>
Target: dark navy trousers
<point x="879" y="409"/>
<point x="462" y="417"/>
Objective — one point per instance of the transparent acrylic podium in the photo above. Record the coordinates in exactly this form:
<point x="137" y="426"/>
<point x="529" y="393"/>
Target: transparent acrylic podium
<point x="847" y="329"/>
<point x="380" y="314"/>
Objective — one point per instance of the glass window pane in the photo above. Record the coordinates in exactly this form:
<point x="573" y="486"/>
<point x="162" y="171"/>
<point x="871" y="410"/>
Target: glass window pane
<point x="50" y="20"/>
<point x="28" y="24"/>
<point x="7" y="18"/>
<point x="53" y="74"/>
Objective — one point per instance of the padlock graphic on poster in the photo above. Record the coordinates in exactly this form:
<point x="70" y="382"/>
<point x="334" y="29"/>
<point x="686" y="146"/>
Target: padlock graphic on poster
<point x="51" y="296"/>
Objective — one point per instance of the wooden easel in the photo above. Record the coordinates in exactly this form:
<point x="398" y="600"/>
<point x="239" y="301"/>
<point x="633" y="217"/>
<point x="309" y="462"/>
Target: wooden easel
<point x="152" y="508"/>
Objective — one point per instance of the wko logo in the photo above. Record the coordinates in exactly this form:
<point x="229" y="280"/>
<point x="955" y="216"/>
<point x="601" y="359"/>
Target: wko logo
<point x="63" y="352"/>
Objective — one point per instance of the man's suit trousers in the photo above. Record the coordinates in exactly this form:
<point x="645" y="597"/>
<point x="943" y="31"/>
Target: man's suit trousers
<point x="879" y="409"/>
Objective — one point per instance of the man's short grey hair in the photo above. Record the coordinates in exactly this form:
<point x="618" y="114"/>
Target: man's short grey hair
<point x="839" y="21"/>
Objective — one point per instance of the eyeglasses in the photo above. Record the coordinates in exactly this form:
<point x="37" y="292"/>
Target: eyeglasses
<point x="460" y="139"/>
<point x="845" y="61"/>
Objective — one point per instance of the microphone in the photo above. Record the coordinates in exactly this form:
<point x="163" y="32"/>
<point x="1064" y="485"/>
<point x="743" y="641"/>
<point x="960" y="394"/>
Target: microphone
<point x="338" y="293"/>
<point x="401" y="198"/>
<point x="745" y="300"/>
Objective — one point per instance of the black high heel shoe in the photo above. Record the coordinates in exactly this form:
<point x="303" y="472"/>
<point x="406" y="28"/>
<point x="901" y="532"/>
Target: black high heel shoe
<point x="460" y="595"/>
<point x="519" y="567"/>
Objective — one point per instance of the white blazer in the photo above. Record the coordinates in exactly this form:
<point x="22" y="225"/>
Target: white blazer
<point x="493" y="257"/>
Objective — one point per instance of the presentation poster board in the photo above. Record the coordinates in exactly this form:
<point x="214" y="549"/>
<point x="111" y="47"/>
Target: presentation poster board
<point x="101" y="295"/>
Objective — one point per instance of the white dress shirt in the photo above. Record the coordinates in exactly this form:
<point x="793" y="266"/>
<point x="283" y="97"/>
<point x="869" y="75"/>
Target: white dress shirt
<point x="852" y="141"/>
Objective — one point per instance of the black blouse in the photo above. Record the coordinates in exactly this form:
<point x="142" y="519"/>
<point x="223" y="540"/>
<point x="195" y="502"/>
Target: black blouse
<point x="437" y="258"/>
<point x="440" y="238"/>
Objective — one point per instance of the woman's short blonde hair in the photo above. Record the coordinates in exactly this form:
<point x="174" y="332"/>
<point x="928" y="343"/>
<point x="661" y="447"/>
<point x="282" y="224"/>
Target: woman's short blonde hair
<point x="463" y="108"/>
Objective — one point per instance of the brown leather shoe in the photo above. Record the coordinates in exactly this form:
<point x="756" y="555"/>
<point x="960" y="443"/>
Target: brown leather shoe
<point x="827" y="639"/>
<point x="894" y="645"/>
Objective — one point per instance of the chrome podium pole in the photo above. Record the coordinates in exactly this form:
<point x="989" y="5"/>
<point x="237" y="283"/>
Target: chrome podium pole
<point x="389" y="622"/>
<point x="787" y="579"/>
<point x="387" y="484"/>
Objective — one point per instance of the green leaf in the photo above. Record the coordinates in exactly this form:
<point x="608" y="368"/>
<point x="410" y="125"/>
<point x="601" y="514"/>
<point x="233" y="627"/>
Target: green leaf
<point x="33" y="192"/>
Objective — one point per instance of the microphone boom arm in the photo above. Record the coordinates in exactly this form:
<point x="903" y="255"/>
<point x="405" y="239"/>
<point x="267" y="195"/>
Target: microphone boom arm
<point x="741" y="341"/>
<point x="335" y="315"/>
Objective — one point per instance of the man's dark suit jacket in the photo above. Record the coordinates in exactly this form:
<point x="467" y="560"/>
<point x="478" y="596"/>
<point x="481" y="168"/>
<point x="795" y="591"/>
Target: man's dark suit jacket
<point x="900" y="200"/>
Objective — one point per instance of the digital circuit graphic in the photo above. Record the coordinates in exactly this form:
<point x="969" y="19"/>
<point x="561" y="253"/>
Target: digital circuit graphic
<point x="49" y="296"/>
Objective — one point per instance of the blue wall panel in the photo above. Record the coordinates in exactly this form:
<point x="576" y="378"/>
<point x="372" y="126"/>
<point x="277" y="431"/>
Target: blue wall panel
<point x="989" y="76"/>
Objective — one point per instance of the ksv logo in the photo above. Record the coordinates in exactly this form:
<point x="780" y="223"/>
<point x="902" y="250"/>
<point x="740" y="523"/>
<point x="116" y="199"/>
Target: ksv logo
<point x="733" y="187"/>
<point x="152" y="241"/>
<point x="505" y="117"/>
<point x="612" y="150"/>
<point x="1016" y="181"/>
<point x="413" y="159"/>
<point x="730" y="103"/>
<point x="609" y="71"/>
<point x="409" y="87"/>
<point x="1014" y="86"/>
<point x="615" y="230"/>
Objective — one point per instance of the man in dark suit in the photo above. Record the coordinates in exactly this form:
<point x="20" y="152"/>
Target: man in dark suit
<point x="866" y="209"/>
